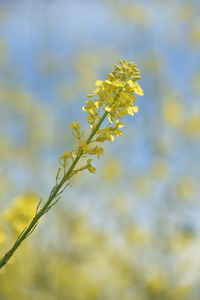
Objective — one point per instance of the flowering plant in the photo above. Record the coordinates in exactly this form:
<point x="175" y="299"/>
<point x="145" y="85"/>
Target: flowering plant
<point x="113" y="99"/>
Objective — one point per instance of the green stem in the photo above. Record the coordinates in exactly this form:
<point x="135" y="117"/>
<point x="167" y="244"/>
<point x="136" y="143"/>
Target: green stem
<point x="53" y="194"/>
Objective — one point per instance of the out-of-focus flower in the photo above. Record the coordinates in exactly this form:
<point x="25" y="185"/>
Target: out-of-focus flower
<point x="22" y="211"/>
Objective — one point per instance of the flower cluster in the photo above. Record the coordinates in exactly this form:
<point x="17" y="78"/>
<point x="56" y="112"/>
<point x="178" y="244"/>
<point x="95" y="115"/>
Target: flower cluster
<point x="113" y="99"/>
<point x="116" y="94"/>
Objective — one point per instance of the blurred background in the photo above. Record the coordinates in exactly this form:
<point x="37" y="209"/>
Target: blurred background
<point x="132" y="230"/>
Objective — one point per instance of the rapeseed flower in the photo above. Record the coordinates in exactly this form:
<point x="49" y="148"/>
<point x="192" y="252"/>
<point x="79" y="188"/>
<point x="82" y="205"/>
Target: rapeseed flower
<point x="113" y="99"/>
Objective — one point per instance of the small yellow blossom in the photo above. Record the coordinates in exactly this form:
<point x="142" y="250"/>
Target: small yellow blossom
<point x="66" y="155"/>
<point x="96" y="150"/>
<point x="84" y="148"/>
<point x="105" y="135"/>
<point x="99" y="82"/>
<point x="119" y="124"/>
<point x="90" y="168"/>
<point x="75" y="126"/>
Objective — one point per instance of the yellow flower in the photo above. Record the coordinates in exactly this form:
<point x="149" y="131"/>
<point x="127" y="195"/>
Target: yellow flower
<point x="75" y="126"/>
<point x="90" y="168"/>
<point x="132" y="109"/>
<point x="138" y="90"/>
<point x="99" y="82"/>
<point x="96" y="150"/>
<point x="105" y="135"/>
<point x="119" y="124"/>
<point x="90" y="107"/>
<point x="66" y="155"/>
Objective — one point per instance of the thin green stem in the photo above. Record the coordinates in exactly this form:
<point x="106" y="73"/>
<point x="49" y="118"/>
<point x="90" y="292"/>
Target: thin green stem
<point x="50" y="201"/>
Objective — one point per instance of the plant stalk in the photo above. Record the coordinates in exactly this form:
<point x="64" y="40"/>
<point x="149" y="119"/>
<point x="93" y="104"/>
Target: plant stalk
<point x="49" y="203"/>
